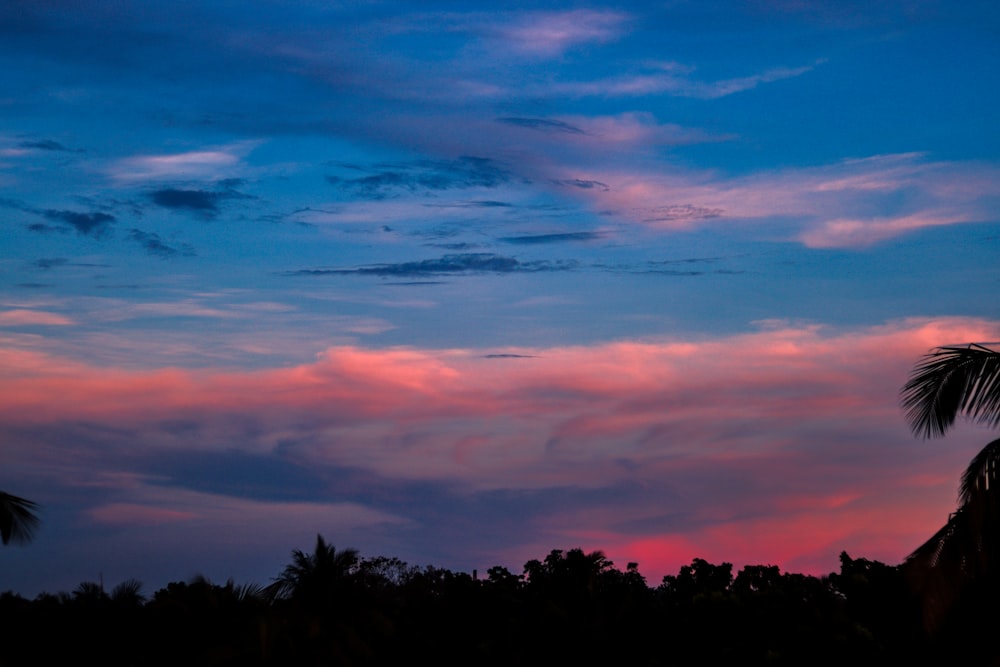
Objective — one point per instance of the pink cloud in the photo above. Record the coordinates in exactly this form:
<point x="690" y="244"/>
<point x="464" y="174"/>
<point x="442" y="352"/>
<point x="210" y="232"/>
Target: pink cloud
<point x="208" y="164"/>
<point x="671" y="81"/>
<point x="825" y="370"/>
<point x="19" y="317"/>
<point x="846" y="233"/>
<point x="849" y="204"/>
<point x="782" y="445"/>
<point x="548" y="34"/>
<point x="149" y="505"/>
<point x="634" y="129"/>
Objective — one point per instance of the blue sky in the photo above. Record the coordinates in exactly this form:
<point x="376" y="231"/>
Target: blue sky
<point x="463" y="285"/>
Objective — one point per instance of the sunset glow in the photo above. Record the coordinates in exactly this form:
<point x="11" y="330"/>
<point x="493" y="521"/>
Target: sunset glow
<point x="466" y="285"/>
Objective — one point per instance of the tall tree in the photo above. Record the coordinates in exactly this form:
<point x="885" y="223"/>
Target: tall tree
<point x="948" y="382"/>
<point x="18" y="519"/>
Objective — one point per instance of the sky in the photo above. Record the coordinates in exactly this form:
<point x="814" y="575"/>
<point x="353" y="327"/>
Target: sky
<point x="464" y="285"/>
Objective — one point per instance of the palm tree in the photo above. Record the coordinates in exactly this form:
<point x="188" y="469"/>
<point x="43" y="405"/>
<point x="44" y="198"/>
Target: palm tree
<point x="316" y="578"/>
<point x="18" y="520"/>
<point x="947" y="382"/>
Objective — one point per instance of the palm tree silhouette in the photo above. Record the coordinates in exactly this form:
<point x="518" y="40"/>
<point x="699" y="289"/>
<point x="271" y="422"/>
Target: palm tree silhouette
<point x="947" y="382"/>
<point x="316" y="579"/>
<point x="18" y="519"/>
<point x="950" y="381"/>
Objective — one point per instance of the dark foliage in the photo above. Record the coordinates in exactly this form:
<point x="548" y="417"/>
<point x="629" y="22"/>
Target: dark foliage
<point x="331" y="607"/>
<point x="18" y="519"/>
<point x="950" y="381"/>
<point x="956" y="573"/>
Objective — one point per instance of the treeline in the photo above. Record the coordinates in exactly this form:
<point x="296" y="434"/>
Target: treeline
<point x="333" y="607"/>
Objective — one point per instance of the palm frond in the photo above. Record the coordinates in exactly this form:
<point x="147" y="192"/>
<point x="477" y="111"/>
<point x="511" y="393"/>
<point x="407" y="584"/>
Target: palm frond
<point x="980" y="479"/>
<point x="929" y="554"/>
<point x="18" y="520"/>
<point x="950" y="381"/>
<point x="250" y="592"/>
<point x="128" y="592"/>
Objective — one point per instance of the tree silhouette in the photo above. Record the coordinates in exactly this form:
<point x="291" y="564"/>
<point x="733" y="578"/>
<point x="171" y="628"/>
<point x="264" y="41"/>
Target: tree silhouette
<point x="316" y="578"/>
<point x="950" y="381"/>
<point x="947" y="382"/>
<point x="18" y="520"/>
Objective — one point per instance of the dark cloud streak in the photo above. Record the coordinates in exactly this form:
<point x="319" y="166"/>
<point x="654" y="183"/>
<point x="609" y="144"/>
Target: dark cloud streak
<point x="41" y="228"/>
<point x="476" y="203"/>
<point x="44" y="145"/>
<point x="154" y="245"/>
<point x="203" y="202"/>
<point x="682" y="212"/>
<point x="47" y="263"/>
<point x="416" y="283"/>
<point x="542" y="124"/>
<point x="457" y="264"/>
<point x="460" y="245"/>
<point x="87" y="224"/>
<point x="193" y="200"/>
<point x="384" y="179"/>
<point x="564" y="237"/>
<point x="583" y="184"/>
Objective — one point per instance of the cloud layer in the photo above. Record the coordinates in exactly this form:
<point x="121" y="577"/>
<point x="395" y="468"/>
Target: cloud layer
<point x="782" y="446"/>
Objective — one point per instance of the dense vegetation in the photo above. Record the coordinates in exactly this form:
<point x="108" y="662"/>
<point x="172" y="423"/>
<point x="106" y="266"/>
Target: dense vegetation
<point x="333" y="607"/>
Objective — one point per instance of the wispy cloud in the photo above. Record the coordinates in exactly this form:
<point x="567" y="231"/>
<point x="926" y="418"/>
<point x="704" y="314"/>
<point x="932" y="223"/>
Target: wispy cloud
<point x="852" y="203"/>
<point x="154" y="245"/>
<point x="212" y="164"/>
<point x="558" y="237"/>
<point x="149" y="505"/>
<point x="385" y="179"/>
<point x="472" y="203"/>
<point x="15" y="147"/>
<point x="508" y="355"/>
<point x="23" y="317"/>
<point x="625" y="129"/>
<point x="549" y="34"/>
<point x="541" y="124"/>
<point x="860" y="232"/>
<point x="669" y="81"/>
<point x="457" y="264"/>
<point x="584" y="184"/>
<point x="47" y="263"/>
<point x="43" y="145"/>
<point x="96" y="224"/>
